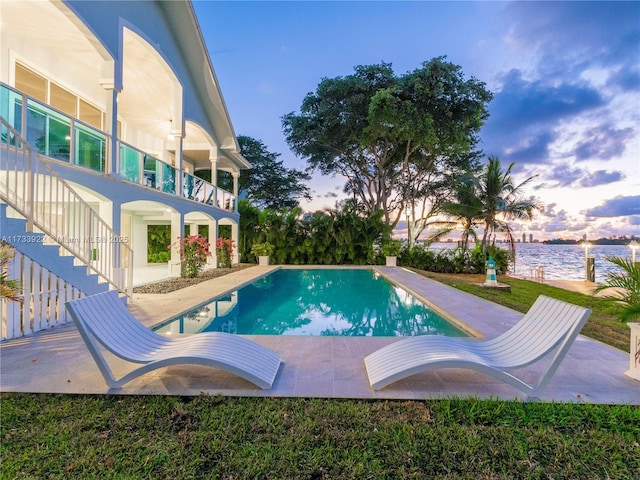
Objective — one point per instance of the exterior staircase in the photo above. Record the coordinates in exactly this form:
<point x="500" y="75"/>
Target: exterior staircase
<point x="33" y="245"/>
<point x="58" y="238"/>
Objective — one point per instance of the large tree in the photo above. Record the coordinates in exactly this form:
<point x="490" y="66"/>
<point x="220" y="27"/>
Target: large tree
<point x="396" y="139"/>
<point x="270" y="184"/>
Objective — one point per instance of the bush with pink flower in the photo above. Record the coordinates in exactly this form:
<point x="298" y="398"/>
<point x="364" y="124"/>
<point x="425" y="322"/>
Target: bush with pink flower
<point x="194" y="250"/>
<point x="224" y="249"/>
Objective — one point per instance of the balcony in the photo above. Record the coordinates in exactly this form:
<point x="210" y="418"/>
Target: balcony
<point x="61" y="137"/>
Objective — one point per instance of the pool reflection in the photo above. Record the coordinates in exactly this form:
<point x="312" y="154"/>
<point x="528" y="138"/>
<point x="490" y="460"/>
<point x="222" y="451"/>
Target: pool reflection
<point x="316" y="302"/>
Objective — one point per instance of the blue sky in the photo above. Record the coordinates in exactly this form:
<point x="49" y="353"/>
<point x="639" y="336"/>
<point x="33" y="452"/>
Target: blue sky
<point x="565" y="78"/>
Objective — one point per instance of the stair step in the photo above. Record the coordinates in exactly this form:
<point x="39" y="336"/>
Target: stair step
<point x="32" y="245"/>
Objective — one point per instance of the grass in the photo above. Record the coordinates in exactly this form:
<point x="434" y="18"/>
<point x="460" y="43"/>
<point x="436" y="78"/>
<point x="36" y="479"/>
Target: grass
<point x="64" y="436"/>
<point x="603" y="324"/>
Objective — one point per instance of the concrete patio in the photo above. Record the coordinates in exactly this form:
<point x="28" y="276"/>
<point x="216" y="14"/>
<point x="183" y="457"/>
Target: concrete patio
<point x="57" y="361"/>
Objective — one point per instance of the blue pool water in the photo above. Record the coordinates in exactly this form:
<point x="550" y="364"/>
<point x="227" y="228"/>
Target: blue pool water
<point x="349" y="302"/>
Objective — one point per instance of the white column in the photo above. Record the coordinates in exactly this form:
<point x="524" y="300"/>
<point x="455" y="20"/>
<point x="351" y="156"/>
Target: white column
<point x="213" y="234"/>
<point x="235" y="236"/>
<point x="109" y="81"/>
<point x="236" y="176"/>
<point x="213" y="158"/>
<point x="177" y="227"/>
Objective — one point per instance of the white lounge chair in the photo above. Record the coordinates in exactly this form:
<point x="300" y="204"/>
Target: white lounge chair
<point x="549" y="324"/>
<point x="104" y="317"/>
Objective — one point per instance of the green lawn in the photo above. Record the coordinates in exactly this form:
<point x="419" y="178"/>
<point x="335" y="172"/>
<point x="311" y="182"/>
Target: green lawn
<point x="63" y="436"/>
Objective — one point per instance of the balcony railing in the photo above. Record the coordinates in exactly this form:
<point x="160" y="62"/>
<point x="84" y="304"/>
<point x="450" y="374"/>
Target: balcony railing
<point x="57" y="135"/>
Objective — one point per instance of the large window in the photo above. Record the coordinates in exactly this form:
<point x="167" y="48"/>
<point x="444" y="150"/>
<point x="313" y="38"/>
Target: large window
<point x="31" y="83"/>
<point x="49" y="92"/>
<point x="63" y="100"/>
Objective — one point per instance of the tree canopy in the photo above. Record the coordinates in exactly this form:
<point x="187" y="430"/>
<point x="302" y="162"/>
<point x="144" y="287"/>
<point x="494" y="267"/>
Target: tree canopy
<point x="269" y="184"/>
<point x="398" y="140"/>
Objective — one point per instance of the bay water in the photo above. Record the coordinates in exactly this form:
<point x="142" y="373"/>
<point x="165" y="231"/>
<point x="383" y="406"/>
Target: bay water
<point x="562" y="262"/>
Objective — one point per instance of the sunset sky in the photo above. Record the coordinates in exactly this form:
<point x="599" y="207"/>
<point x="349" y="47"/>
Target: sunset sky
<point x="565" y="78"/>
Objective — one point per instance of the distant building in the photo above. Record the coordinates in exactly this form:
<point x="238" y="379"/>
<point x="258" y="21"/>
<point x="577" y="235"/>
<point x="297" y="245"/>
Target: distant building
<point x="531" y="238"/>
<point x="524" y="238"/>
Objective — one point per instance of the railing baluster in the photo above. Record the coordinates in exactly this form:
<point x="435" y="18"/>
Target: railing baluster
<point x="26" y="194"/>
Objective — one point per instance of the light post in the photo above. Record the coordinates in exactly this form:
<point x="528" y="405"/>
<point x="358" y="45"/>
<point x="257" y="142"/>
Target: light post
<point x="633" y="245"/>
<point x="589" y="264"/>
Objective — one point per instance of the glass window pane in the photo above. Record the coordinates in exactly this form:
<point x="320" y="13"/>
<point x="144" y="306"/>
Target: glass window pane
<point x="129" y="164"/>
<point x="150" y="175"/>
<point x="37" y="129"/>
<point x="31" y="83"/>
<point x="90" y="149"/>
<point x="168" y="179"/>
<point x="63" y="100"/>
<point x="188" y="185"/>
<point x="59" y="137"/>
<point x="90" y="114"/>
<point x="11" y="107"/>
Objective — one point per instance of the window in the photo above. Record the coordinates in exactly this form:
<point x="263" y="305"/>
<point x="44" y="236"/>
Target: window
<point x="31" y="83"/>
<point x="63" y="100"/>
<point x="90" y="115"/>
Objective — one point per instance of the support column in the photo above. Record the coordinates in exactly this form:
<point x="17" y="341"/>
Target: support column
<point x="177" y="227"/>
<point x="236" y="176"/>
<point x="235" y="236"/>
<point x="213" y="158"/>
<point x="178" y="137"/>
<point x="214" y="242"/>
<point x="109" y="81"/>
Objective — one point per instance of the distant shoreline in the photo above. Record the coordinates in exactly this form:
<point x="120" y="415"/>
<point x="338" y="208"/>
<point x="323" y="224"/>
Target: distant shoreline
<point x="600" y="241"/>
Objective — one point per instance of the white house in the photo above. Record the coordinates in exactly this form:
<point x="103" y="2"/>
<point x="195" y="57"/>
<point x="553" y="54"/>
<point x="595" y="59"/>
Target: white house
<point x="110" y="111"/>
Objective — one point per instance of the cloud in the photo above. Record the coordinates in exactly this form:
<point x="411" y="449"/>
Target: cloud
<point x="601" y="177"/>
<point x="567" y="35"/>
<point x="524" y="116"/>
<point x="562" y="176"/>
<point x="627" y="78"/>
<point x="603" y="143"/>
<point x="524" y="103"/>
<point x="576" y="59"/>
<point x="560" y="222"/>
<point x="567" y="176"/>
<point x="616" y="207"/>
<point x="331" y="195"/>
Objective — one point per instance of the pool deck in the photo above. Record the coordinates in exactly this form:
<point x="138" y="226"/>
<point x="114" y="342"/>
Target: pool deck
<point x="57" y="361"/>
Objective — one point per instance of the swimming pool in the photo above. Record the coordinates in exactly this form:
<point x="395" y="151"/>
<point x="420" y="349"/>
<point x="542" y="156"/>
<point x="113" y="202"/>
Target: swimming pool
<point x="348" y="302"/>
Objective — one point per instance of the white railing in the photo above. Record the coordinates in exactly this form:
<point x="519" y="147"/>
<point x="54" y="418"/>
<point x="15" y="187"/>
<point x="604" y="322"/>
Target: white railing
<point x="83" y="145"/>
<point x="44" y="296"/>
<point x="51" y="205"/>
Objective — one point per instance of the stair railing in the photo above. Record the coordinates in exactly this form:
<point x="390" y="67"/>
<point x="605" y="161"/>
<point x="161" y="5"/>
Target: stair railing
<point x="32" y="188"/>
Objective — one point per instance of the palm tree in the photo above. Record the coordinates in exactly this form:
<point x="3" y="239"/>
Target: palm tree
<point x="9" y="289"/>
<point x="465" y="209"/>
<point x="500" y="196"/>
<point x="627" y="285"/>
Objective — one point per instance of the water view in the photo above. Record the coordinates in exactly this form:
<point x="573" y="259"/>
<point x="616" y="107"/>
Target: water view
<point x="563" y="262"/>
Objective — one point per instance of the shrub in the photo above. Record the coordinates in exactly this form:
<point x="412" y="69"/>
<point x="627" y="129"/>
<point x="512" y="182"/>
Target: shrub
<point x="391" y="248"/>
<point x="262" y="249"/>
<point x="194" y="251"/>
<point x="224" y="250"/>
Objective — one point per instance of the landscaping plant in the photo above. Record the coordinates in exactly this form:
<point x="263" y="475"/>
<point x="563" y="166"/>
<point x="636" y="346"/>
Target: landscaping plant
<point x="627" y="283"/>
<point x="224" y="249"/>
<point x="194" y="250"/>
